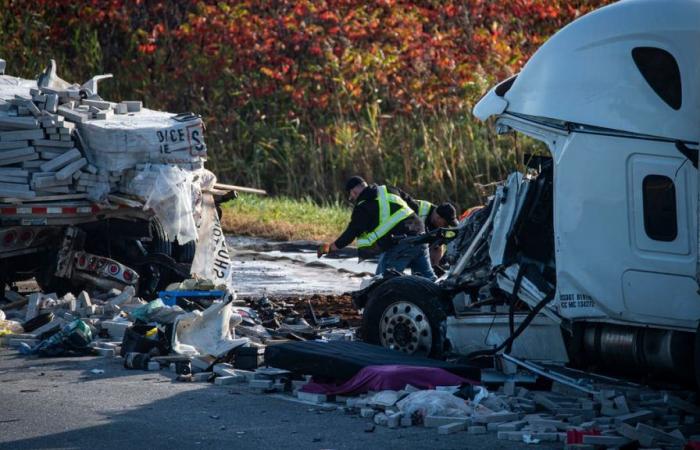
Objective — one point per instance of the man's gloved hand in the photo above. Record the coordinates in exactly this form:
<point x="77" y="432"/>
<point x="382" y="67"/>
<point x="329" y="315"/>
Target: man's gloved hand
<point x="323" y="249"/>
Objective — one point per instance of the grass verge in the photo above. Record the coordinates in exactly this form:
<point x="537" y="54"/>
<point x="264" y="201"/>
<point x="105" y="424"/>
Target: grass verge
<point x="282" y="218"/>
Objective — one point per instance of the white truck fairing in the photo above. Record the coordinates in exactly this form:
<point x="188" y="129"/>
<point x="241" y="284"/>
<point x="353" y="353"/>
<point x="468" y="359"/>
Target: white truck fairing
<point x="615" y="96"/>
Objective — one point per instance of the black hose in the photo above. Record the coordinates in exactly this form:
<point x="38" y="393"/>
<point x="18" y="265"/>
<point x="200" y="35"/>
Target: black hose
<point x="518" y="332"/>
<point x="513" y="300"/>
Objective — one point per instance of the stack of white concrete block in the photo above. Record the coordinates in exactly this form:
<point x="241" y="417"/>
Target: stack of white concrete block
<point x="41" y="151"/>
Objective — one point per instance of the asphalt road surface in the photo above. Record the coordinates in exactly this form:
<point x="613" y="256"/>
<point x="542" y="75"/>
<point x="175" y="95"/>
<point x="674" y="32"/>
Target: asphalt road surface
<point x="59" y="403"/>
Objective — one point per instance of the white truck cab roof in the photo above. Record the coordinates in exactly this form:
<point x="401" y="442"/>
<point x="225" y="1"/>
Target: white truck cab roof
<point x="633" y="66"/>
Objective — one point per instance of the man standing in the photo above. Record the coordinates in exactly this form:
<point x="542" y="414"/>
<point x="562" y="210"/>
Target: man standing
<point x="380" y="219"/>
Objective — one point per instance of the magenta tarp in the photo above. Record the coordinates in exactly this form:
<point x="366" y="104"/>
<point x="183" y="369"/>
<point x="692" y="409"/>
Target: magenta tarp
<point x="394" y="378"/>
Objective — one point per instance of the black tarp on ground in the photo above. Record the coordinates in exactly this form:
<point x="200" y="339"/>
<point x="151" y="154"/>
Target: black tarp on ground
<point x="341" y="360"/>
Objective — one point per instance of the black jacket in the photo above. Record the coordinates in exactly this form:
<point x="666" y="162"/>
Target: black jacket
<point x="365" y="217"/>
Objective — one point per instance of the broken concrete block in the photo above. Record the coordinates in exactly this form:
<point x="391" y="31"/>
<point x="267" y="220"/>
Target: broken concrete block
<point x="452" y="428"/>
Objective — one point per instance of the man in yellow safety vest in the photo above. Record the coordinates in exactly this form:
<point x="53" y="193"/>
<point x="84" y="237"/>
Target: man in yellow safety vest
<point x="380" y="218"/>
<point x="433" y="217"/>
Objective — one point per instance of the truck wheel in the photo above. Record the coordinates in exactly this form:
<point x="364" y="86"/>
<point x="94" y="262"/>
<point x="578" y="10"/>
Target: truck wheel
<point x="406" y="314"/>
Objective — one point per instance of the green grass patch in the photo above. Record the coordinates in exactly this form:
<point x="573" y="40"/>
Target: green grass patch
<point x="284" y="218"/>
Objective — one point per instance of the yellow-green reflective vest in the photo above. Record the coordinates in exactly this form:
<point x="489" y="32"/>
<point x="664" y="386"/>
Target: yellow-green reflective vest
<point x="424" y="209"/>
<point x="387" y="220"/>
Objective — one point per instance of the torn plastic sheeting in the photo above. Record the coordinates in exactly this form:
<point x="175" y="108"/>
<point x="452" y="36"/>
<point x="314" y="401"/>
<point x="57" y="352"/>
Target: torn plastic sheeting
<point x="434" y="403"/>
<point x="206" y="333"/>
<point x="169" y="192"/>
<point x="211" y="258"/>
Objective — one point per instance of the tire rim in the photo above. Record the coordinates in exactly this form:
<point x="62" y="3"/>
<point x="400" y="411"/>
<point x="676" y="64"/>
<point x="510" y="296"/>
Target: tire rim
<point x="405" y="327"/>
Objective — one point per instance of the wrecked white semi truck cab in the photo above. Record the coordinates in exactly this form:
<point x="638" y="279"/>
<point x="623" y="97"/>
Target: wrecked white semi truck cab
<point x="100" y="194"/>
<point x="591" y="257"/>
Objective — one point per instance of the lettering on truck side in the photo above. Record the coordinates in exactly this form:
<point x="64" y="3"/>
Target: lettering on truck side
<point x="569" y="301"/>
<point x="189" y="138"/>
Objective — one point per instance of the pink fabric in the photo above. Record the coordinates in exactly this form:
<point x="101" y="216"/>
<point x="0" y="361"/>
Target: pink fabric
<point x="379" y="378"/>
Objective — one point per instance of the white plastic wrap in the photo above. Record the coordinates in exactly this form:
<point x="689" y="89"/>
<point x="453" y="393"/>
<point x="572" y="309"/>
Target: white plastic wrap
<point x="168" y="191"/>
<point x="211" y="258"/>
<point x="434" y="403"/>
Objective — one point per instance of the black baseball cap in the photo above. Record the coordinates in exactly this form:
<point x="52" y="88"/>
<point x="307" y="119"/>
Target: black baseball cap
<point x="352" y="182"/>
<point x="448" y="212"/>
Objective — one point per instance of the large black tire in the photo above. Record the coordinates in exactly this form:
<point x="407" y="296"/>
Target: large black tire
<point x="406" y="313"/>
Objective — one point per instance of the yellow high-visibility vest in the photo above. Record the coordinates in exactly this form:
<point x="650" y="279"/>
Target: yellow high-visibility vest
<point x="387" y="220"/>
<point x="424" y="209"/>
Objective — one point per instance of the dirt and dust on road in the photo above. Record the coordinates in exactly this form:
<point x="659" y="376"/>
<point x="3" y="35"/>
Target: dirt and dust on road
<point x="291" y="276"/>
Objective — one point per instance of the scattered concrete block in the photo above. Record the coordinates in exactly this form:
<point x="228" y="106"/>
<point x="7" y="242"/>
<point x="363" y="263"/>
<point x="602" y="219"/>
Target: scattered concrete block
<point x="499" y="417"/>
<point x="452" y="428"/>
<point x="120" y="108"/>
<point x="476" y="429"/>
<point x="394" y="420"/>
<point x="660" y="435"/>
<point x="106" y="352"/>
<point x="511" y="426"/>
<point x="309" y="397"/>
<point x="367" y="412"/>
<point x="226" y="380"/>
<point x="634" y="417"/>
<point x="52" y="143"/>
<point x="153" y="366"/>
<point x="133" y="105"/>
<point x="115" y="328"/>
<point x="201" y="376"/>
<point x="406" y="422"/>
<point x="605" y="441"/>
<point x="437" y="421"/>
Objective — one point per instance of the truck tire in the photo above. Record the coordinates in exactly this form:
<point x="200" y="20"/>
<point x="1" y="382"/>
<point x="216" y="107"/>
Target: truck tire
<point x="406" y="314"/>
